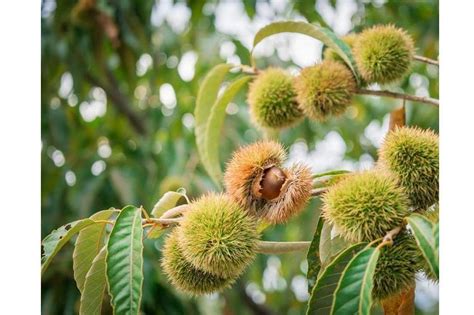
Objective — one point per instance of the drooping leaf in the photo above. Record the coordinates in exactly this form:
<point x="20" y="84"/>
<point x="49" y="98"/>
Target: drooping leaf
<point x="167" y="201"/>
<point x="426" y="235"/>
<point x="88" y="244"/>
<point x="94" y="286"/>
<point x="330" y="244"/>
<point x="313" y="256"/>
<point x="321" y="298"/>
<point x="206" y="97"/>
<point x="323" y="34"/>
<point x="214" y="127"/>
<point x="353" y="294"/>
<point x="125" y="262"/>
<point x="52" y="243"/>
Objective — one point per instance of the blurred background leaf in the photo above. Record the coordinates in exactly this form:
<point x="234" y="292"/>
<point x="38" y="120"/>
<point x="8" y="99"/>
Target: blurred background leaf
<point x="119" y="83"/>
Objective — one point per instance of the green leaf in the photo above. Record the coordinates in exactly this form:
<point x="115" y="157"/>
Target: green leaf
<point x="353" y="294"/>
<point x="214" y="127"/>
<point x="52" y="243"/>
<point x="167" y="201"/>
<point x="427" y="237"/>
<point x="125" y="262"/>
<point x="316" y="31"/>
<point x="313" y="256"/>
<point x="321" y="298"/>
<point x="331" y="173"/>
<point x="206" y="97"/>
<point x="94" y="286"/>
<point x="88" y="244"/>
<point x="330" y="245"/>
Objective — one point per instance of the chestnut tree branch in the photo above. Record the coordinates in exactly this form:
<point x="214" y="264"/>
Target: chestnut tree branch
<point x="318" y="191"/>
<point x="265" y="247"/>
<point x="420" y="99"/>
<point x="426" y="60"/>
<point x="165" y="222"/>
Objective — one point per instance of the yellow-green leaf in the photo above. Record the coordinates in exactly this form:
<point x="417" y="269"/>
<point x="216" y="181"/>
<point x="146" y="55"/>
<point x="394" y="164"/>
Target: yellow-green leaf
<point x="426" y="235"/>
<point x="52" y="243"/>
<point x="88" y="244"/>
<point x="206" y="97"/>
<point x="124" y="262"/>
<point x="94" y="286"/>
<point x="214" y="128"/>
<point x="318" y="32"/>
<point x="167" y="201"/>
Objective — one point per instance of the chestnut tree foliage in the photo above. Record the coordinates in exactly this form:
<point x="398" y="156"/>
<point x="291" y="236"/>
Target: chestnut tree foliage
<point x="111" y="138"/>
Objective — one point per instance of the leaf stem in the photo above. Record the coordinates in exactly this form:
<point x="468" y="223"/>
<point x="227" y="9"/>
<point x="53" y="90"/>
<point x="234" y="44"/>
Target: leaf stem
<point x="420" y="99"/>
<point x="265" y="247"/>
<point x="164" y="222"/>
<point x="391" y="234"/>
<point x="426" y="60"/>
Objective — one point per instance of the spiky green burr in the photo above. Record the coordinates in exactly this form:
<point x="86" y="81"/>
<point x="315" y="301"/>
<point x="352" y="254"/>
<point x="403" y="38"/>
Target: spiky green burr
<point x="412" y="154"/>
<point x="216" y="235"/>
<point x="365" y="206"/>
<point x="324" y="90"/>
<point x="272" y="100"/>
<point x="383" y="53"/>
<point x="184" y="276"/>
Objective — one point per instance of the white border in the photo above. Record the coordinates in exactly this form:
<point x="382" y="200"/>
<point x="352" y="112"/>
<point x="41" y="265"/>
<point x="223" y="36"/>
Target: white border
<point x="20" y="157"/>
<point x="456" y="145"/>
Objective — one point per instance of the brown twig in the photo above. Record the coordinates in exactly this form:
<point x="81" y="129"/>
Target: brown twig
<point x="420" y="99"/>
<point x="265" y="247"/>
<point x="391" y="234"/>
<point x="318" y="191"/>
<point x="426" y="60"/>
<point x="164" y="222"/>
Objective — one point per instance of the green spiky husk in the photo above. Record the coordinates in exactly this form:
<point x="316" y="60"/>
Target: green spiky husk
<point x="413" y="155"/>
<point x="383" y="53"/>
<point x="272" y="100"/>
<point x="324" y="89"/>
<point x="365" y="206"/>
<point x="184" y="276"/>
<point x="217" y="236"/>
<point x="396" y="267"/>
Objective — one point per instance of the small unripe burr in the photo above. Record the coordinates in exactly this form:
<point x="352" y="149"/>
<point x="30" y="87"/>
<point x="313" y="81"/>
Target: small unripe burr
<point x="325" y="90"/>
<point x="256" y="179"/>
<point x="396" y="267"/>
<point x="216" y="235"/>
<point x="184" y="276"/>
<point x="365" y="206"/>
<point x="412" y="154"/>
<point x="272" y="100"/>
<point x="383" y="53"/>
